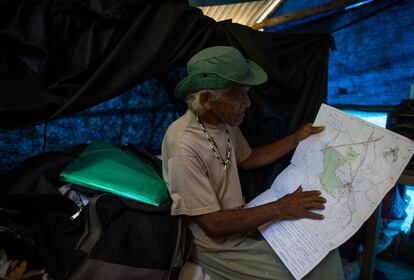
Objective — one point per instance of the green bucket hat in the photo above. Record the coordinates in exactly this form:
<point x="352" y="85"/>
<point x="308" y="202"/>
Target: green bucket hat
<point x="220" y="67"/>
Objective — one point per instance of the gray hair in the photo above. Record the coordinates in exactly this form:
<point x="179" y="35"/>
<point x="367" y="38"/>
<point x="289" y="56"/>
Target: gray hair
<point x="193" y="99"/>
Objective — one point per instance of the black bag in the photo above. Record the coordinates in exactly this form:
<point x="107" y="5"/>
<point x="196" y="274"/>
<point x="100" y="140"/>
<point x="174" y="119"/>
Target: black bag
<point x="110" y="238"/>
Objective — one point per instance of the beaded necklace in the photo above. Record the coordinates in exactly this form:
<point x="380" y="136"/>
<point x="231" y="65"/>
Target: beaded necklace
<point x="213" y="145"/>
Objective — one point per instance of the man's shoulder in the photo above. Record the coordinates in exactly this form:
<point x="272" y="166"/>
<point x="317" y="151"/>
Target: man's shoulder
<point x="180" y="135"/>
<point x="178" y="127"/>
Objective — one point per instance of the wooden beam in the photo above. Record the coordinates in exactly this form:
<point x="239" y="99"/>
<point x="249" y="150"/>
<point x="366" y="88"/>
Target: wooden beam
<point x="370" y="241"/>
<point x="333" y="6"/>
<point x="202" y="3"/>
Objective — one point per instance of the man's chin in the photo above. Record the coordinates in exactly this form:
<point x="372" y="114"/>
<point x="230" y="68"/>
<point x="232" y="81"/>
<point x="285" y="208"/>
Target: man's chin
<point x="236" y="122"/>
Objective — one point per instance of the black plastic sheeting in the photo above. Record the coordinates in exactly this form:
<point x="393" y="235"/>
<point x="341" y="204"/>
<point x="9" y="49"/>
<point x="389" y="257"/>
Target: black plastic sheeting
<point x="61" y="57"/>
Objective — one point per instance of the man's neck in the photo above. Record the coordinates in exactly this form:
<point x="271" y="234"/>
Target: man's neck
<point x="210" y="118"/>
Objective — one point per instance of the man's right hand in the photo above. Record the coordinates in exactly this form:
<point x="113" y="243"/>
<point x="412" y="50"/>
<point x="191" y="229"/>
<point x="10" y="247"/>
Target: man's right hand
<point x="292" y="206"/>
<point x="299" y="204"/>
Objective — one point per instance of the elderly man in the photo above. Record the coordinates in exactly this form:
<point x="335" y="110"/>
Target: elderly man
<point x="201" y="151"/>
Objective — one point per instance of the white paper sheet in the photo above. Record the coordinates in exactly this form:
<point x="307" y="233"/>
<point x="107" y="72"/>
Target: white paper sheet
<point x="354" y="164"/>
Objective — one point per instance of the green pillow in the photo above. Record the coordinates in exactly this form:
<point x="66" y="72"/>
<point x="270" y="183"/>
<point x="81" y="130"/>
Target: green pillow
<point x="108" y="168"/>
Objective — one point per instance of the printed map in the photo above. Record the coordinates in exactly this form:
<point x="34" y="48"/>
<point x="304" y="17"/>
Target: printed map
<point x="354" y="164"/>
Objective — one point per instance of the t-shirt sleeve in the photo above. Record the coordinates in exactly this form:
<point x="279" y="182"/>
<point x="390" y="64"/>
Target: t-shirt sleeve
<point x="243" y="149"/>
<point x="190" y="188"/>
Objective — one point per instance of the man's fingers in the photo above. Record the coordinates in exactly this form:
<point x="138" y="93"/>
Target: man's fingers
<point x="313" y="129"/>
<point x="321" y="199"/>
<point x="299" y="189"/>
<point x="313" y="205"/>
<point x="320" y="128"/>
<point x="313" y="216"/>
<point x="312" y="193"/>
<point x="317" y="129"/>
<point x="318" y="199"/>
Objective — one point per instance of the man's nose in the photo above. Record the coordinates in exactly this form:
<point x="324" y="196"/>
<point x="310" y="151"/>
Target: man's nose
<point x="246" y="100"/>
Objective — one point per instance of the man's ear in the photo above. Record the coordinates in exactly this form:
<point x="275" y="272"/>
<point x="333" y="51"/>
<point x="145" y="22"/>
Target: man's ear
<point x="205" y="100"/>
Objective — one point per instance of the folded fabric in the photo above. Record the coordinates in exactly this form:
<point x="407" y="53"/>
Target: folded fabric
<point x="108" y="168"/>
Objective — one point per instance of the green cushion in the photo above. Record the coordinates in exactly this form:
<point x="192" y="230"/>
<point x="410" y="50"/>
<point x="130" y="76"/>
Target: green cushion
<point x="108" y="168"/>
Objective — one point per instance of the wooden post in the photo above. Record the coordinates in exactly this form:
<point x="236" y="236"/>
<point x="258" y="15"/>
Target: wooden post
<point x="368" y="259"/>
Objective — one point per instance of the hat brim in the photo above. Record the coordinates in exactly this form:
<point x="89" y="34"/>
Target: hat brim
<point x="196" y="82"/>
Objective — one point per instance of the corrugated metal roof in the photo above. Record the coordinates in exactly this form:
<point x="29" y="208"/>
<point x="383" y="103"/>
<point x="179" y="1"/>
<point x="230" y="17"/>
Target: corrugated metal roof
<point x="247" y="13"/>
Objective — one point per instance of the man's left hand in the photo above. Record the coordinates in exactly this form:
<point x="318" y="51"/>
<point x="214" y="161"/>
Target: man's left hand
<point x="306" y="130"/>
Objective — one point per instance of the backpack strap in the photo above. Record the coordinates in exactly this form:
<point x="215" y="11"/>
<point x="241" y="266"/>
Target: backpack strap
<point x="93" y="228"/>
<point x="182" y="251"/>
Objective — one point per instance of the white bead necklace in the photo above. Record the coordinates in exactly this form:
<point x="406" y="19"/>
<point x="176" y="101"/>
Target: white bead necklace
<point x="213" y="145"/>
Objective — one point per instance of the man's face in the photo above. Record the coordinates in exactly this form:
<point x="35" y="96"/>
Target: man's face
<point x="231" y="106"/>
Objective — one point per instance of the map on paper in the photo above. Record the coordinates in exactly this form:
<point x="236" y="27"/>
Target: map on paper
<point x="354" y="164"/>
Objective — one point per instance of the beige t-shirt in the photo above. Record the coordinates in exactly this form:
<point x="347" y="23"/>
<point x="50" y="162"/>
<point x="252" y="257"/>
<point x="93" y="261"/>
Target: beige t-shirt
<point x="197" y="181"/>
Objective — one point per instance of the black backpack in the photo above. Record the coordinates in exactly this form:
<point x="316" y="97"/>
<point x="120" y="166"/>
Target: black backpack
<point x="110" y="238"/>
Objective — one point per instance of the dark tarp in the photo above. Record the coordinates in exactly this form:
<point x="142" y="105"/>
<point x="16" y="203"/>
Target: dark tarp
<point x="61" y="57"/>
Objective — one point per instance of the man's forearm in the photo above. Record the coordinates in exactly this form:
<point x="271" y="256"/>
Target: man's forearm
<point x="238" y="221"/>
<point x="269" y="153"/>
<point x="296" y="205"/>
